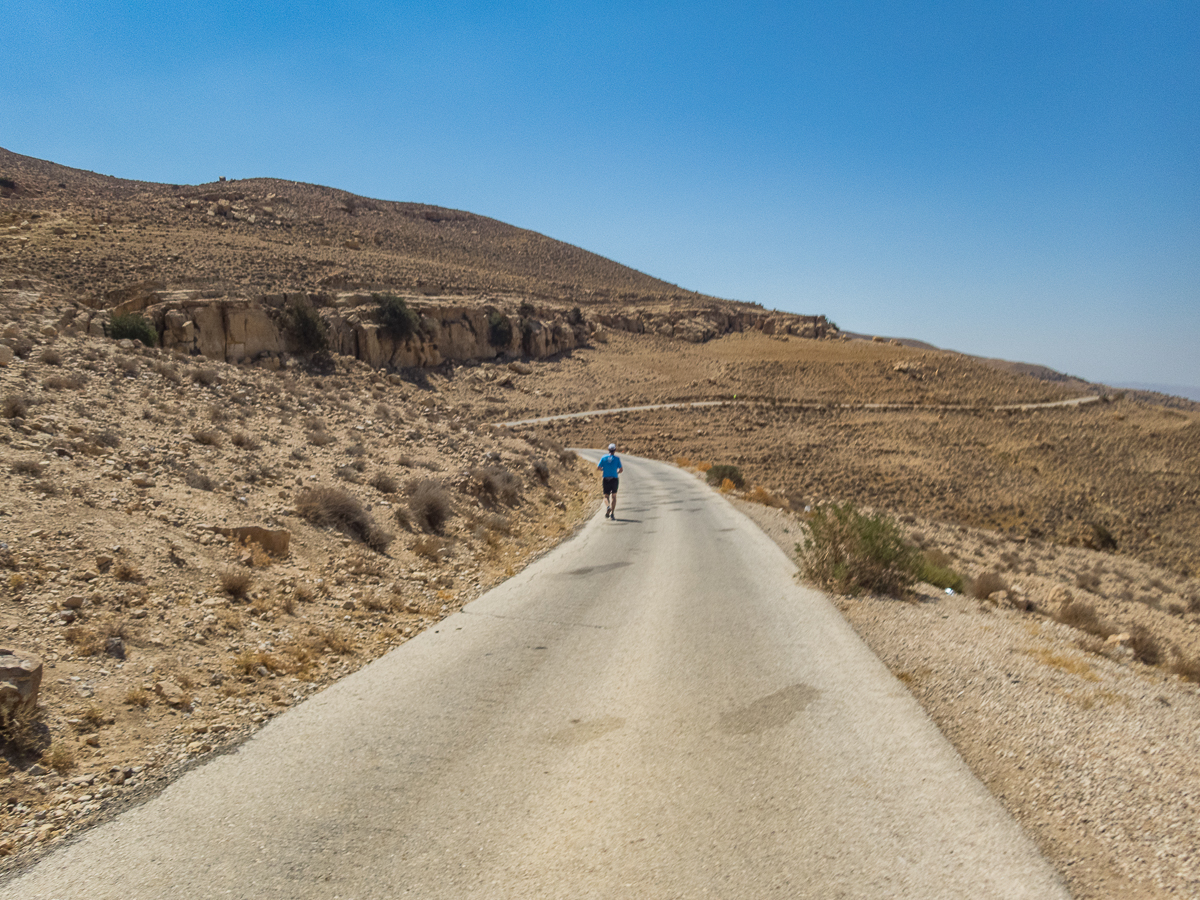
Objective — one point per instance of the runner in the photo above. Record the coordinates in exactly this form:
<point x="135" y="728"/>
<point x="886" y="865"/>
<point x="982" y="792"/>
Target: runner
<point x="610" y="467"/>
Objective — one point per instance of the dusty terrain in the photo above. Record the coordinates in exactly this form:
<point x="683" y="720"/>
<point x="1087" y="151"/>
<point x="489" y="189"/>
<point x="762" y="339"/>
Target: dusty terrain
<point x="120" y="460"/>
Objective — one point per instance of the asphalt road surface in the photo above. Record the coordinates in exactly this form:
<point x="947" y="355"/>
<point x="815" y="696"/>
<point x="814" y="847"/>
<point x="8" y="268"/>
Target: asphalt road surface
<point x="655" y="709"/>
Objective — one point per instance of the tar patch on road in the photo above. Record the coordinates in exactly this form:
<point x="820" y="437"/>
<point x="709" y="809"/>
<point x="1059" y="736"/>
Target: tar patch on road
<point x="772" y="711"/>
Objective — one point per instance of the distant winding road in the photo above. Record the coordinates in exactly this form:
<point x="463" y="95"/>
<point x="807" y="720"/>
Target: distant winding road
<point x="700" y="404"/>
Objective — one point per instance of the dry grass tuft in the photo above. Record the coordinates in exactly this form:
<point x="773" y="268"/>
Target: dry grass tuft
<point x="123" y="569"/>
<point x="429" y="505"/>
<point x="987" y="584"/>
<point x="1082" y="616"/>
<point x="328" y="505"/>
<point x="236" y="581"/>
<point x="27" y="467"/>
<point x="208" y="437"/>
<point x="384" y="483"/>
<point x="433" y="548"/>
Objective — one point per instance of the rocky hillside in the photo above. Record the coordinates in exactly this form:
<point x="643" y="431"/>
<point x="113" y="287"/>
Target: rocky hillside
<point x="92" y="234"/>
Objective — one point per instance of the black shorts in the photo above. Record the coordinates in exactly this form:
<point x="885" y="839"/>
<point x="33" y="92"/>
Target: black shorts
<point x="609" y="485"/>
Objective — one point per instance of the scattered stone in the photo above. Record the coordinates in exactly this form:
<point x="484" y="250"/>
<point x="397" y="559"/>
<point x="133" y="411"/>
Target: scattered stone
<point x="171" y="693"/>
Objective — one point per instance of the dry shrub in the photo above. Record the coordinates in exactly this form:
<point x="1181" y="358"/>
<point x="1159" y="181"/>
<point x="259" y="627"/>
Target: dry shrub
<point x="433" y="548"/>
<point x="496" y="483"/>
<point x="384" y="483"/>
<point x="429" y="505"/>
<point x="47" y="486"/>
<point x="328" y="505"/>
<point x="236" y="581"/>
<point x="91" y="717"/>
<point x="27" y="467"/>
<point x="107" y="438"/>
<point x="245" y="440"/>
<point x="262" y="605"/>
<point x="167" y="371"/>
<point x="348" y="473"/>
<point x="249" y="662"/>
<point x="230" y="620"/>
<point x="987" y="584"/>
<point x="84" y="640"/>
<point x="848" y="551"/>
<point x="123" y="569"/>
<point x="50" y="357"/>
<point x="59" y="758"/>
<point x="23" y="735"/>
<point x="1082" y="615"/>
<point x="16" y="406"/>
<point x="71" y="382"/>
<point x="541" y="470"/>
<point x="199" y="480"/>
<point x="137" y="696"/>
<point x="683" y="462"/>
<point x="1187" y="668"/>
<point x="320" y="438"/>
<point x="304" y="593"/>
<point x="759" y="494"/>
<point x="719" y="474"/>
<point x="321" y="639"/>
<point x="1145" y="645"/>
<point x="490" y="527"/>
<point x="209" y="437"/>
<point x="1089" y="581"/>
<point x="727" y="485"/>
<point x="204" y="375"/>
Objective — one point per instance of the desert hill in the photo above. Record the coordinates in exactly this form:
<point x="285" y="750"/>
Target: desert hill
<point x="263" y="235"/>
<point x="168" y="633"/>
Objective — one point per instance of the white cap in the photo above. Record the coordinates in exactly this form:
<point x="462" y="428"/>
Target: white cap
<point x="612" y="446"/>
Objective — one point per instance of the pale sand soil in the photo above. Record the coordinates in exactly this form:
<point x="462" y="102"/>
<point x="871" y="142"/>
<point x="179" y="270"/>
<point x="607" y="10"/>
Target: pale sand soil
<point x="1097" y="756"/>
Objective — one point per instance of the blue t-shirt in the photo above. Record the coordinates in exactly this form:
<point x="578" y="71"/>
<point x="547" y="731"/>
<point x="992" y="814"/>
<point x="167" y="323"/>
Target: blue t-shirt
<point x="609" y="465"/>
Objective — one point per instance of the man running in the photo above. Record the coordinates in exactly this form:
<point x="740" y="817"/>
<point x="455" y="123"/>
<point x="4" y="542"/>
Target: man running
<point x="610" y="467"/>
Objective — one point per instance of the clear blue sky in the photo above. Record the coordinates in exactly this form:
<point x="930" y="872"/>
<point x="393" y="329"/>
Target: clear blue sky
<point x="1017" y="179"/>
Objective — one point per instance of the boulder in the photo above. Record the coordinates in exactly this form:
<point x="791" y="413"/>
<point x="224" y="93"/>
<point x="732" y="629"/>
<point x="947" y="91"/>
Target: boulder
<point x="20" y="681"/>
<point x="6" y="355"/>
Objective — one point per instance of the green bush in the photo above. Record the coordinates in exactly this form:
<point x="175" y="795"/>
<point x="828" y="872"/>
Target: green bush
<point x="397" y="320"/>
<point x="305" y="327"/>
<point x="850" y="552"/>
<point x="718" y="474"/>
<point x="938" y="575"/>
<point x="134" y="327"/>
<point x="500" y="330"/>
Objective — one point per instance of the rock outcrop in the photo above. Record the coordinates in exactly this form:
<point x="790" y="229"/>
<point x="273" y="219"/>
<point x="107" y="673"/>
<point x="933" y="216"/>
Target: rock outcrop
<point x="449" y="329"/>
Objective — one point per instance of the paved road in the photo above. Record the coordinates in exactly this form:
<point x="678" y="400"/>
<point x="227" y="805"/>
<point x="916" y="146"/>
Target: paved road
<point x="656" y="709"/>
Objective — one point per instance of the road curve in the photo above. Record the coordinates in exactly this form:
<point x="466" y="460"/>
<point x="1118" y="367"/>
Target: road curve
<point x="655" y="709"/>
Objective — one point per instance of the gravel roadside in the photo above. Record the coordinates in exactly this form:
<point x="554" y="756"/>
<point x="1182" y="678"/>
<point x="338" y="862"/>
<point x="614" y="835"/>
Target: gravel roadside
<point x="1097" y="757"/>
